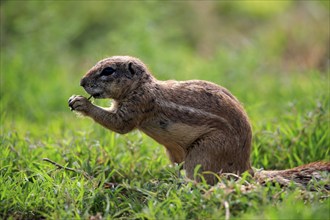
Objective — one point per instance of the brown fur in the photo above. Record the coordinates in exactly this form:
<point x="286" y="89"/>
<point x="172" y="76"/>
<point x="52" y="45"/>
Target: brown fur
<point x="301" y="175"/>
<point x="199" y="123"/>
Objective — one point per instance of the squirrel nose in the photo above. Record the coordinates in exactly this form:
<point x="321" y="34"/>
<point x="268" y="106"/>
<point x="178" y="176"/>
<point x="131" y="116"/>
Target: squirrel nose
<point x="83" y="82"/>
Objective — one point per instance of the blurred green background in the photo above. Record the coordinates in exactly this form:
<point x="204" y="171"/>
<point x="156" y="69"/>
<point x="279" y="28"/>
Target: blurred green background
<point x="273" y="55"/>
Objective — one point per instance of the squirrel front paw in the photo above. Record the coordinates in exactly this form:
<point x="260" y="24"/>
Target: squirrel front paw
<point x="80" y="104"/>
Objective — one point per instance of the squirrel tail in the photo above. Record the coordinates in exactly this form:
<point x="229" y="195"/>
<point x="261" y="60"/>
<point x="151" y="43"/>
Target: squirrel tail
<point x="302" y="175"/>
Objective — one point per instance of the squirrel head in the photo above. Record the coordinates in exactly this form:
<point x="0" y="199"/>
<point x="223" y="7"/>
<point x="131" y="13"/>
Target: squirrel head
<point x="116" y="76"/>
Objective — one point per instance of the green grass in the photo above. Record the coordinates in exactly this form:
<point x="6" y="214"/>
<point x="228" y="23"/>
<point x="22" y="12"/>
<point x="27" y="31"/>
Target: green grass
<point x="45" y="49"/>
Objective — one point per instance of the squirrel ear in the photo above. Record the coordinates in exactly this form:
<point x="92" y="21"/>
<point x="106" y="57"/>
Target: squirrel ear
<point x="135" y="68"/>
<point x="131" y="69"/>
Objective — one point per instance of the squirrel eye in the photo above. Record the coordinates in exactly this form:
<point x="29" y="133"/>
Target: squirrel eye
<point x="107" y="71"/>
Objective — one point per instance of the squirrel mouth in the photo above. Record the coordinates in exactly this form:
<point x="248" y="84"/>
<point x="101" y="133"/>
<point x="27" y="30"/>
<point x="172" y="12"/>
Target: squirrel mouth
<point x="96" y="95"/>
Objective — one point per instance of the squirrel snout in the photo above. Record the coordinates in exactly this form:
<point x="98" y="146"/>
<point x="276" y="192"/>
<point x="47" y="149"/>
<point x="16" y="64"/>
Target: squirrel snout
<point x="83" y="82"/>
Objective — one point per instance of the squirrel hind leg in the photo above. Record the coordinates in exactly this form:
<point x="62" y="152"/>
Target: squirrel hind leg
<point x="215" y="154"/>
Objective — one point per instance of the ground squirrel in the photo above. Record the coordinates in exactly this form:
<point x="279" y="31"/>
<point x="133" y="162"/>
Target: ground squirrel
<point x="198" y="122"/>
